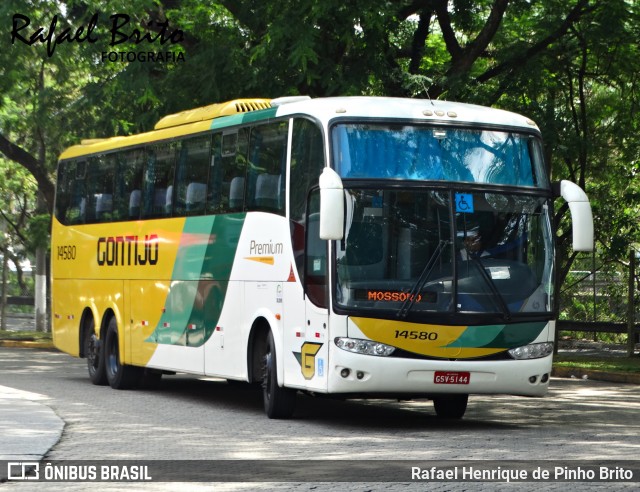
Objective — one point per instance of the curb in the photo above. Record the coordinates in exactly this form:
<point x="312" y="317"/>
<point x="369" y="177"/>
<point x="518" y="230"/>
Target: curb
<point x="612" y="377"/>
<point x="26" y="344"/>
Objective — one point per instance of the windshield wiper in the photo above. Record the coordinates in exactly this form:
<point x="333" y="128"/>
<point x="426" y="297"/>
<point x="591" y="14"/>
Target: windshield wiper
<point x="492" y="287"/>
<point x="422" y="279"/>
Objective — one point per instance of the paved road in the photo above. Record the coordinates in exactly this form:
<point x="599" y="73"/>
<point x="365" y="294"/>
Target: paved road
<point x="203" y="419"/>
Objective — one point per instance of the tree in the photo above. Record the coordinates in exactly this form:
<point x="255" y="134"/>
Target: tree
<point x="571" y="66"/>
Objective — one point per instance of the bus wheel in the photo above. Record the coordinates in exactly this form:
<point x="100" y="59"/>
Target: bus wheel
<point x="120" y="376"/>
<point x="279" y="403"/>
<point x="94" y="352"/>
<point x="450" y="406"/>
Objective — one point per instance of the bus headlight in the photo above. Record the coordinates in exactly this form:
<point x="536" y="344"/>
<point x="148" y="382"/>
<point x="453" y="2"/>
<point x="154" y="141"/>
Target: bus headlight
<point x="367" y="347"/>
<point x="533" y="351"/>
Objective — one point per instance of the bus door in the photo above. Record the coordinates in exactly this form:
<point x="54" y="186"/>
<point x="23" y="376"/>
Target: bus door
<point x="308" y="321"/>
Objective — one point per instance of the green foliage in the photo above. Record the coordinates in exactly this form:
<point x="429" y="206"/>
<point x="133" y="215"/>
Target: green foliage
<point x="609" y="364"/>
<point x="37" y="233"/>
<point x="37" y="336"/>
<point x="571" y="66"/>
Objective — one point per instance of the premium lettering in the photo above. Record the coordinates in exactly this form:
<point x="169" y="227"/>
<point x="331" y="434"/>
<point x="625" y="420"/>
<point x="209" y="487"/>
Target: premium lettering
<point x="269" y="248"/>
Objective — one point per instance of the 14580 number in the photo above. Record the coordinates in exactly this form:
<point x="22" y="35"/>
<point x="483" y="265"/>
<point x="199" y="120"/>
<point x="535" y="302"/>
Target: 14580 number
<point x="67" y="252"/>
<point x="416" y="335"/>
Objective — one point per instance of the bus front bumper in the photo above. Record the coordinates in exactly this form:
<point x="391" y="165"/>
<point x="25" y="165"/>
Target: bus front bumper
<point x="366" y="374"/>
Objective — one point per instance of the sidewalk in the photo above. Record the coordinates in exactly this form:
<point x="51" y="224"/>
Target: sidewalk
<point x="29" y="428"/>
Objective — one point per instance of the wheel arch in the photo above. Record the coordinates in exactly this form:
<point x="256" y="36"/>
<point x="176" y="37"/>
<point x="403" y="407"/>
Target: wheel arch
<point x="104" y="325"/>
<point x="256" y="348"/>
<point x="87" y="316"/>
<point x="112" y="310"/>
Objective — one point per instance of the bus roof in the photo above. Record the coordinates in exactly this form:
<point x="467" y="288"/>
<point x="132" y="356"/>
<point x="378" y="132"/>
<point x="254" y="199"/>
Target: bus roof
<point x="326" y="109"/>
<point x="239" y="111"/>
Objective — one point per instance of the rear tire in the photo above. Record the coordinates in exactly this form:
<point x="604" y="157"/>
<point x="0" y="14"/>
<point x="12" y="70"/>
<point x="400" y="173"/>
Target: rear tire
<point x="120" y="376"/>
<point x="279" y="402"/>
<point x="94" y="352"/>
<point x="450" y="406"/>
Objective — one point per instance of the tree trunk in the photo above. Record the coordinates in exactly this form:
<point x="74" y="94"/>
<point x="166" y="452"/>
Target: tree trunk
<point x="631" y="312"/>
<point x="3" y="305"/>
<point x="41" y="290"/>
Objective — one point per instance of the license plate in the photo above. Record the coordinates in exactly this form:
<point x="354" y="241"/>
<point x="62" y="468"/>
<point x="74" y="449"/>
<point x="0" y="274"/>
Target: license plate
<point x="451" y="377"/>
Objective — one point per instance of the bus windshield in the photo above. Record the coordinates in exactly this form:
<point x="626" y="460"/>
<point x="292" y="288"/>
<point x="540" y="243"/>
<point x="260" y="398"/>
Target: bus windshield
<point x="419" y="152"/>
<point x="415" y="251"/>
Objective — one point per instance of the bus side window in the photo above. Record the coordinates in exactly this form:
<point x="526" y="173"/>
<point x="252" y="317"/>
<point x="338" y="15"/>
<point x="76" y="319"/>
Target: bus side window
<point x="191" y="176"/>
<point x="66" y="172"/>
<point x="73" y="199"/>
<point x="307" y="162"/>
<point x="157" y="193"/>
<point x="227" y="172"/>
<point x="216" y="185"/>
<point x="129" y="184"/>
<point x="100" y="188"/>
<point x="267" y="163"/>
<point x="315" y="276"/>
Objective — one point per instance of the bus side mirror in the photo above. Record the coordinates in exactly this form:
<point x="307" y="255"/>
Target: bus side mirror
<point x="581" y="217"/>
<point x="331" y="205"/>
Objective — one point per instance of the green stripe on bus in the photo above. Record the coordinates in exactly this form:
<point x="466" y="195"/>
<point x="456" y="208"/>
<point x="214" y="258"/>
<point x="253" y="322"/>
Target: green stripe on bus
<point x="240" y="118"/>
<point x="499" y="336"/>
<point x="200" y="279"/>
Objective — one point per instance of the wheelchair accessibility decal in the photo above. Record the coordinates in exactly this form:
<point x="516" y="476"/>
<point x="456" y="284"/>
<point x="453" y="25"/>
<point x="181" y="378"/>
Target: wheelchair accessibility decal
<point x="464" y="203"/>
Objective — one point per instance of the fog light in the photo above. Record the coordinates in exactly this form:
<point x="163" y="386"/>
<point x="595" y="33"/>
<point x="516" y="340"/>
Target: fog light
<point x="345" y="373"/>
<point x="544" y="378"/>
<point x="359" y="374"/>
<point x="533" y="379"/>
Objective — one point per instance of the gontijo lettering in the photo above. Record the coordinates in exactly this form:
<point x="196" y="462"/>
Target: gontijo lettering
<point x="127" y="250"/>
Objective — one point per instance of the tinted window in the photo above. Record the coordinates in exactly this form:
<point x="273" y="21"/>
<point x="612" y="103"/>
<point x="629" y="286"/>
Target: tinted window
<point x="227" y="175"/>
<point x="307" y="161"/>
<point x="71" y="193"/>
<point x="191" y="176"/>
<point x="158" y="193"/>
<point x="129" y="183"/>
<point x="266" y="171"/>
<point x="101" y="173"/>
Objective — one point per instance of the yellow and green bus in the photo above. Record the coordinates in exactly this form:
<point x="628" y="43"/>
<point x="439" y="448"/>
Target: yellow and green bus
<point x="351" y="246"/>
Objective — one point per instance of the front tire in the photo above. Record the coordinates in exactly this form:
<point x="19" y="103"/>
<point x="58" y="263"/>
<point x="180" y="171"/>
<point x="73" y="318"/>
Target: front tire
<point x="94" y="352"/>
<point x="279" y="402"/>
<point x="120" y="376"/>
<point x="450" y="406"/>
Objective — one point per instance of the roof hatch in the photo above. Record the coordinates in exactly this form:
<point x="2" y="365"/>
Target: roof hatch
<point x="213" y="111"/>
